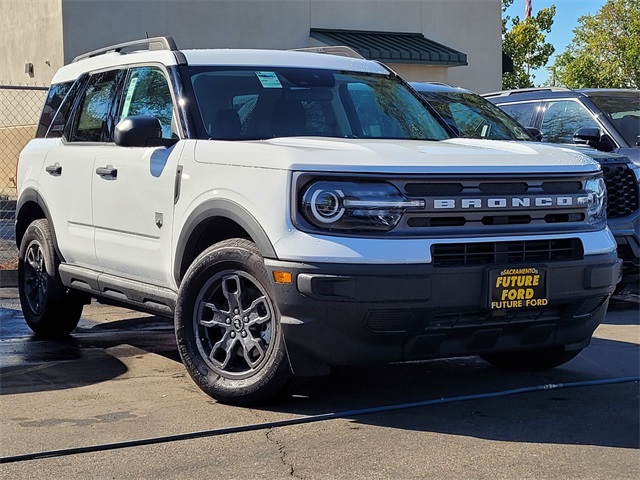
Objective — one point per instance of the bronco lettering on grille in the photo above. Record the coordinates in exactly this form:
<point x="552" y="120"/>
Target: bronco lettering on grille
<point x="502" y="202"/>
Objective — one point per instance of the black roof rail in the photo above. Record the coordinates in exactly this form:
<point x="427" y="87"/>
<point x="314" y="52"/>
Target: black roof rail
<point x="153" y="43"/>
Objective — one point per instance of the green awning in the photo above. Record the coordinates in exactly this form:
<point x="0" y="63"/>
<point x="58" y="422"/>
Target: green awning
<point x="392" y="47"/>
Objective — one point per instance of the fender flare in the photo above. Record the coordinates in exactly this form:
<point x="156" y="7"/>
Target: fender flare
<point x="31" y="195"/>
<point x="220" y="208"/>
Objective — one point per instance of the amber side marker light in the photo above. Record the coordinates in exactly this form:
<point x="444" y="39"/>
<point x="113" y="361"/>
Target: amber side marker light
<point x="282" y="277"/>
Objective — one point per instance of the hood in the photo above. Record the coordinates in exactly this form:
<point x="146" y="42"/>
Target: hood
<point x="458" y="155"/>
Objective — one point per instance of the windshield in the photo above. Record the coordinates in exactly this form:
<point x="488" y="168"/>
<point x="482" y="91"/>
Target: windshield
<point x="624" y="112"/>
<point x="259" y="103"/>
<point x="475" y="117"/>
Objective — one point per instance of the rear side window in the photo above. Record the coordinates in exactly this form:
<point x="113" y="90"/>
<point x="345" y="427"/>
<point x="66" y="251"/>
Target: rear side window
<point x="92" y="116"/>
<point x="523" y="113"/>
<point x="54" y="99"/>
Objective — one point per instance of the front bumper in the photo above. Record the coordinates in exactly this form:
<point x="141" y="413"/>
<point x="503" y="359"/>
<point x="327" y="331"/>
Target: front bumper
<point x="345" y="314"/>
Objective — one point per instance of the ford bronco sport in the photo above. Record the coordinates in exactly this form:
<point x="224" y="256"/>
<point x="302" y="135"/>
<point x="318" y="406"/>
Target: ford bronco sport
<point x="293" y="211"/>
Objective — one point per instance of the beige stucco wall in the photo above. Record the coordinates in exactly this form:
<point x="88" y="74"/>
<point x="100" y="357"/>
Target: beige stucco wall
<point x="471" y="26"/>
<point x="30" y="32"/>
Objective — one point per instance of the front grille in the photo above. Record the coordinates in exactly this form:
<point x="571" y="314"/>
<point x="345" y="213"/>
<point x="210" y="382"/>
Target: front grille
<point x="473" y="205"/>
<point x="622" y="190"/>
<point x="463" y="254"/>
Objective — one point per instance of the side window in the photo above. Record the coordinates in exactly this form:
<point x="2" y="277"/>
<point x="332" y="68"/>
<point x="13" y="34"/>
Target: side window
<point x="562" y="119"/>
<point x="90" y="123"/>
<point x="522" y="112"/>
<point x="147" y="93"/>
<point x="59" y="123"/>
<point x="55" y="96"/>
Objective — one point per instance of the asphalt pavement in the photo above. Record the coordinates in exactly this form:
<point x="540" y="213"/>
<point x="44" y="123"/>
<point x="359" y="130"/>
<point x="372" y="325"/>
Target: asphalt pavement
<point x="113" y="401"/>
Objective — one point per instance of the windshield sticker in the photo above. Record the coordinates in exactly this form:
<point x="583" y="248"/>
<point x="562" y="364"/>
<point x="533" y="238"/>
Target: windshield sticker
<point x="127" y="100"/>
<point x="268" y="80"/>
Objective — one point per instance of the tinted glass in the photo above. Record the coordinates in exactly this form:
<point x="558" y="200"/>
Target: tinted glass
<point x="147" y="93"/>
<point x="522" y="112"/>
<point x="475" y="117"/>
<point x="93" y="115"/>
<point x="624" y="112"/>
<point x="55" y="96"/>
<point x="251" y="103"/>
<point x="561" y="120"/>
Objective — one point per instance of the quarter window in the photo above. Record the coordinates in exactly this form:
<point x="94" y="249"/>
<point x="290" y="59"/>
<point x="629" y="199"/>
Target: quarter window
<point x="55" y="96"/>
<point x="147" y="93"/>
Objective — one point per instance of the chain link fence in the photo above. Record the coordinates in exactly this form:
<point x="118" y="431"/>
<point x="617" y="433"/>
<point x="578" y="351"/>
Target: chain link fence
<point x="20" y="108"/>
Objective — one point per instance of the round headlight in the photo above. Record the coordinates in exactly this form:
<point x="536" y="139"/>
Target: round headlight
<point x="327" y="205"/>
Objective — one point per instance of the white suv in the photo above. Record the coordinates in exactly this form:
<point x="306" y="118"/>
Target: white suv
<point x="296" y="210"/>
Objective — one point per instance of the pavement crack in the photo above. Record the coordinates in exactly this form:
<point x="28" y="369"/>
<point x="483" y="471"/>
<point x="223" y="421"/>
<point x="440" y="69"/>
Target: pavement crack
<point x="282" y="452"/>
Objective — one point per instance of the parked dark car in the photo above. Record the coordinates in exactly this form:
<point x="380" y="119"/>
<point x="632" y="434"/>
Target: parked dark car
<point x="473" y="116"/>
<point x="605" y="119"/>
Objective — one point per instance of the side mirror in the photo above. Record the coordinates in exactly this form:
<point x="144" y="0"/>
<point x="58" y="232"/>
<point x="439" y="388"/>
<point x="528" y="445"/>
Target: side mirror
<point x="535" y="133"/>
<point x="141" y="131"/>
<point x="593" y="137"/>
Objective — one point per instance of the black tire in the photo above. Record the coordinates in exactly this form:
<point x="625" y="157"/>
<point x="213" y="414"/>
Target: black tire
<point x="228" y="326"/>
<point x="48" y="308"/>
<point x="531" y="360"/>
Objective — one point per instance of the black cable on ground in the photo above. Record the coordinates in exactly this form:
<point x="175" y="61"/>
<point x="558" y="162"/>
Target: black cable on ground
<point x="306" y="419"/>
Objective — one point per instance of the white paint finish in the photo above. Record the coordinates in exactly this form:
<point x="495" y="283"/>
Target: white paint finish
<point x="111" y="60"/>
<point x="389" y="156"/>
<point x="68" y="198"/>
<point x="128" y="242"/>
<point x="279" y="58"/>
<point x="303" y="247"/>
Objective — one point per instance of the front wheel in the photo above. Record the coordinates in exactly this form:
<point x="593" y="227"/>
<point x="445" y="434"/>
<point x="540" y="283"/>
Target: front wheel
<point x="531" y="360"/>
<point x="48" y="308"/>
<point x="228" y="325"/>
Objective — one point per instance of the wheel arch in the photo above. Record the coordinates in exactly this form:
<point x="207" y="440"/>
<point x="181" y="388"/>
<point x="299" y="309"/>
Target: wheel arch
<point x="212" y="222"/>
<point x="31" y="206"/>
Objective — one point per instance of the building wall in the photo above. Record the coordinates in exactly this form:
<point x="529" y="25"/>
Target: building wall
<point x="471" y="26"/>
<point x="30" y="32"/>
<point x="33" y="29"/>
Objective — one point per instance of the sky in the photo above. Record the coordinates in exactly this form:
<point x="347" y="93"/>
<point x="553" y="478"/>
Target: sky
<point x="565" y="20"/>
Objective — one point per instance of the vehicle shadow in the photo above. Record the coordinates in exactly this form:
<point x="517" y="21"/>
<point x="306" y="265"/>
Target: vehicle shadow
<point x="602" y="415"/>
<point x="30" y="363"/>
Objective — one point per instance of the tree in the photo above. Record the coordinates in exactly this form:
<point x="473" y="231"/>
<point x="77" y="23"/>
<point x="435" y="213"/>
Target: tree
<point x="605" y="50"/>
<point x="525" y="44"/>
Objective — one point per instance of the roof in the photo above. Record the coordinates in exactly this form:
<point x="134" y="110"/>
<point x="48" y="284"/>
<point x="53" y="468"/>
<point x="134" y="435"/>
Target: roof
<point x="392" y="47"/>
<point x="436" y="87"/>
<point x="163" y="50"/>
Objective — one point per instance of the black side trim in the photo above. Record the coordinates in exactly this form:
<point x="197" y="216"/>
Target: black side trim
<point x="30" y="195"/>
<point x="220" y="208"/>
<point x="119" y="291"/>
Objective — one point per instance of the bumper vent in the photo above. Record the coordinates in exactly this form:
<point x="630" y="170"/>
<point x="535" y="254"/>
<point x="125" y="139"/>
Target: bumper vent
<point x="463" y="254"/>
<point x="622" y="190"/>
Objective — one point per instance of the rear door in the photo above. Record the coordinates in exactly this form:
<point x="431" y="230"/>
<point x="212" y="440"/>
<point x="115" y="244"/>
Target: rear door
<point x="65" y="182"/>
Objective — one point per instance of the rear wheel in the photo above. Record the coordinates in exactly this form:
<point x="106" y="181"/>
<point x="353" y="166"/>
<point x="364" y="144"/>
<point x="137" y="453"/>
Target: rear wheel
<point x="48" y="308"/>
<point x="531" y="360"/>
<point x="228" y="325"/>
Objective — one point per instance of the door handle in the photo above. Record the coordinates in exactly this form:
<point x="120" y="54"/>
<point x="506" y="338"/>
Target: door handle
<point x="108" y="171"/>
<point x="54" y="170"/>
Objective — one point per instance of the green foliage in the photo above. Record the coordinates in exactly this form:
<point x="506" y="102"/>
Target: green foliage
<point x="525" y="44"/>
<point x="605" y="51"/>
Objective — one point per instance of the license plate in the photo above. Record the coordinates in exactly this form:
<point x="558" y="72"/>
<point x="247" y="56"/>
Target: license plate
<point x="522" y="287"/>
